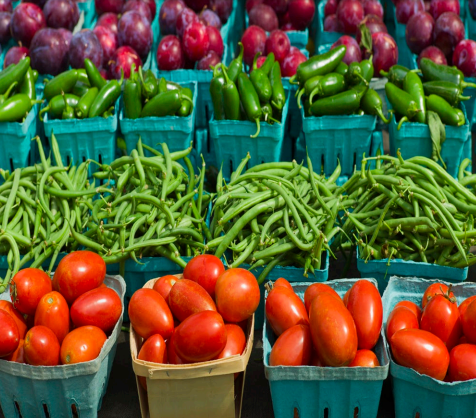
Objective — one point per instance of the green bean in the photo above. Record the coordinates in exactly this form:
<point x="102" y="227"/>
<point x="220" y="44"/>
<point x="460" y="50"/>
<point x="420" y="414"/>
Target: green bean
<point x="11" y="198"/>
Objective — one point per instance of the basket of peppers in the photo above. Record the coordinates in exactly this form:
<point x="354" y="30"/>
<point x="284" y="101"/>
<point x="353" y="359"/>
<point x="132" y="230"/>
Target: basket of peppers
<point x="155" y="106"/>
<point x="430" y="117"/>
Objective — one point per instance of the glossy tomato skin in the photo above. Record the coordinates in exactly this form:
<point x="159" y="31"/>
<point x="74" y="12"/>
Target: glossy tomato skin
<point x="78" y="273"/>
<point x="365" y="358"/>
<point x="188" y="297"/>
<point x="41" y="347"/>
<point x="53" y="313"/>
<point x="441" y="317"/>
<point x="153" y="350"/>
<point x="365" y="306"/>
<point x="82" y="344"/>
<point x="462" y="363"/>
<point x="432" y="290"/>
<point x="27" y="288"/>
<point x="284" y="283"/>
<point x="17" y="317"/>
<point x="101" y="307"/>
<point x="237" y="295"/>
<point x="18" y="356"/>
<point x="412" y="306"/>
<point x="172" y="355"/>
<point x="333" y="331"/>
<point x="313" y="290"/>
<point x="205" y="270"/>
<point x="201" y="337"/>
<point x="468" y="321"/>
<point x="164" y="286"/>
<point x="284" y="309"/>
<point x="235" y="341"/>
<point x="149" y="314"/>
<point x="462" y="308"/>
<point x="9" y="335"/>
<point x="292" y="348"/>
<point x="421" y="351"/>
<point x="400" y="318"/>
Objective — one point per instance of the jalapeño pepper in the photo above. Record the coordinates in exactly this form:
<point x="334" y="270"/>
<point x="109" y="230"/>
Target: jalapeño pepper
<point x="329" y="85"/>
<point x="16" y="108"/>
<point x="396" y="74"/>
<point x="186" y="106"/>
<point x="268" y="63"/>
<point x="371" y="104"/>
<point x="35" y="75"/>
<point x="216" y="92"/>
<point x="231" y="98"/>
<point x="448" y="115"/>
<point x="260" y="82"/>
<point x="150" y="85"/>
<point x="236" y="66"/>
<point x="413" y="86"/>
<point x="68" y="111"/>
<point x="83" y="77"/>
<point x="367" y="70"/>
<point x="132" y="96"/>
<point x="84" y="104"/>
<point x="108" y="113"/>
<point x="162" y="85"/>
<point x="164" y="104"/>
<point x="63" y="82"/>
<point x="436" y="72"/>
<point x="14" y="72"/>
<point x="80" y="89"/>
<point x="56" y="105"/>
<point x="354" y="75"/>
<point x="27" y="86"/>
<point x="344" y="103"/>
<point x="94" y="76"/>
<point x="342" y="68"/>
<point x="250" y="100"/>
<point x="308" y="88"/>
<point x="106" y="97"/>
<point x="278" y="97"/>
<point x="446" y="89"/>
<point x="5" y="96"/>
<point x="402" y="102"/>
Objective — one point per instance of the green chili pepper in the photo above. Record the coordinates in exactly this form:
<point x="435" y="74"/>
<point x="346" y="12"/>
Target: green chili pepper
<point x="132" y="96"/>
<point x="162" y="85"/>
<point x="260" y="82"/>
<point x="35" y="75"/>
<point x="94" y="76"/>
<point x="68" y="112"/>
<point x="63" y="82"/>
<point x="342" y="68"/>
<point x="371" y="104"/>
<point x="27" y="86"/>
<point x="319" y="65"/>
<point x="172" y="85"/>
<point x="106" y="97"/>
<point x="83" y="77"/>
<point x="164" y="104"/>
<point x="14" y="72"/>
<point x="150" y="85"/>
<point x="447" y="114"/>
<point x="80" y="89"/>
<point x="236" y="66"/>
<point x="4" y="96"/>
<point x="278" y="97"/>
<point x="359" y="112"/>
<point x="396" y="74"/>
<point x="354" y="75"/>
<point x="268" y="63"/>
<point x="344" y="103"/>
<point x="84" y="104"/>
<point x="250" y="100"/>
<point x="329" y="85"/>
<point x="402" y="102"/>
<point x="108" y="113"/>
<point x="16" y="108"/>
<point x="435" y="72"/>
<point x="216" y="92"/>
<point x="267" y="113"/>
<point x="367" y="69"/>
<point x="308" y="88"/>
<point x="446" y="89"/>
<point x="186" y="106"/>
<point x="460" y="115"/>
<point x="413" y="86"/>
<point x="231" y="98"/>
<point x="56" y="105"/>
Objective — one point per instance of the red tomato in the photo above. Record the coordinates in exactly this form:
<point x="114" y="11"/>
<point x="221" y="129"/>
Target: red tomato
<point x="315" y="289"/>
<point x="421" y="351"/>
<point x="18" y="356"/>
<point x="432" y="290"/>
<point x="346" y="297"/>
<point x="284" y="283"/>
<point x="463" y="340"/>
<point x="235" y="341"/>
<point x="204" y="269"/>
<point x="201" y="337"/>
<point x="284" y="309"/>
<point x="82" y="344"/>
<point x="100" y="307"/>
<point x="78" y="273"/>
<point x="153" y="350"/>
<point x="237" y="295"/>
<point x="9" y="335"/>
<point x="365" y="358"/>
<point x="172" y="355"/>
<point x="400" y="318"/>
<point x="164" y="286"/>
<point x="27" y="288"/>
<point x="41" y="347"/>
<point x="441" y="317"/>
<point x="149" y="314"/>
<point x="462" y="363"/>
<point x="188" y="297"/>
<point x="292" y="348"/>
<point x="53" y="313"/>
<point x="315" y="360"/>
<point x="462" y="308"/>
<point x="365" y="306"/>
<point x="333" y="331"/>
<point x="412" y="306"/>
<point x="468" y="321"/>
<point x="17" y="317"/>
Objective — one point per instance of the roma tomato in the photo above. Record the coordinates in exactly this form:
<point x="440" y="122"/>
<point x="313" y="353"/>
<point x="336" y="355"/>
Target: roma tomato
<point x="164" y="286"/>
<point x="284" y="309"/>
<point x="17" y="317"/>
<point x="313" y="290"/>
<point x="18" y="356"/>
<point x="27" y="288"/>
<point x="315" y="360"/>
<point x="100" y="307"/>
<point x="345" y="299"/>
<point x="149" y="314"/>
<point x="412" y="306"/>
<point x="400" y="318"/>
<point x="235" y="341"/>
<point x="237" y="295"/>
<point x="188" y="297"/>
<point x="468" y="321"/>
<point x="441" y="317"/>
<point x="421" y="351"/>
<point x="365" y="358"/>
<point x="82" y="344"/>
<point x="153" y="350"/>
<point x="53" y="313"/>
<point x="283" y="283"/>
<point x="432" y="290"/>
<point x="462" y="308"/>
<point x="78" y="273"/>
<point x="333" y="331"/>
<point x="201" y="337"/>
<point x="172" y="355"/>
<point x="292" y="348"/>
<point x="41" y="347"/>
<point x="9" y="334"/>
<point x="462" y="363"/>
<point x="365" y="306"/>
<point x="205" y="270"/>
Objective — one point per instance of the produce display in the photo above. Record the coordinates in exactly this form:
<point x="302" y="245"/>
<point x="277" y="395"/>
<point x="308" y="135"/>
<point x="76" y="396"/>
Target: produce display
<point x="345" y="15"/>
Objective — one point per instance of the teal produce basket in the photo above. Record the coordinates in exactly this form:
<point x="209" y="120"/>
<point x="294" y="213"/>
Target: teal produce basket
<point x="88" y="8"/>
<point x="341" y="392"/>
<point x="232" y="141"/>
<point x="60" y="391"/>
<point x="321" y="36"/>
<point x="413" y="392"/>
<point x="382" y="270"/>
<point x="204" y="145"/>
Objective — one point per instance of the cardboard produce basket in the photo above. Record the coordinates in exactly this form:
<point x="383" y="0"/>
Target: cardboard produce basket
<point x="207" y="389"/>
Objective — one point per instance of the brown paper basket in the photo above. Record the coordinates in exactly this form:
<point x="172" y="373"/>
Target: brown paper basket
<point x="200" y="390"/>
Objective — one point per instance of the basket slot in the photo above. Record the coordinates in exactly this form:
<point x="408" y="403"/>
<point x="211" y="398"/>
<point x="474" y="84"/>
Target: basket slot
<point x="17" y="409"/>
<point x="326" y="412"/>
<point x="45" y="411"/>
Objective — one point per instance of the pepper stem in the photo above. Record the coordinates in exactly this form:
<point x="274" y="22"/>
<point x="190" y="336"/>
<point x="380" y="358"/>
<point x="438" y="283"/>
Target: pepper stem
<point x="255" y="60"/>
<point x="258" y="126"/>
<point x="384" y="73"/>
<point x="379" y="112"/>
<point x="464" y="84"/>
<point x="242" y="51"/>
<point x="463" y="98"/>
<point x="9" y="90"/>
<point x="292" y="80"/>
<point x="313" y="93"/>
<point x="362" y="78"/>
<point x="300" y="93"/>
<point x="402" y="121"/>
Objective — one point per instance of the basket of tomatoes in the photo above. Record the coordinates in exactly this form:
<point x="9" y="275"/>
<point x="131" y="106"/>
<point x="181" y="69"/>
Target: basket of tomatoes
<point x="430" y="327"/>
<point x="193" y="334"/>
<point x="58" y="338"/>
<point x="324" y="353"/>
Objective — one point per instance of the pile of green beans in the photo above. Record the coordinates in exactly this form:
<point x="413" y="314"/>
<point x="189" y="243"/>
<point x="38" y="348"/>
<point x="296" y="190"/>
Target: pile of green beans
<point x="411" y="210"/>
<point x="275" y="214"/>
